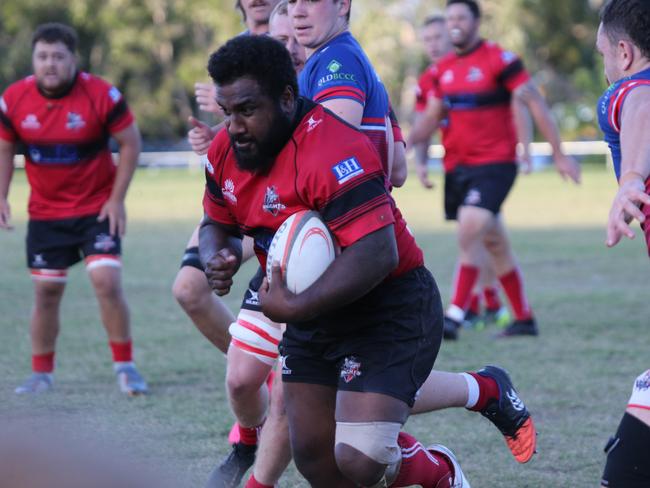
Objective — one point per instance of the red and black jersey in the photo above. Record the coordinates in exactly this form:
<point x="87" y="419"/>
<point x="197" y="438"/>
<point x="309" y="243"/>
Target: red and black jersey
<point x="476" y="89"/>
<point x="65" y="138"/>
<point x="327" y="166"/>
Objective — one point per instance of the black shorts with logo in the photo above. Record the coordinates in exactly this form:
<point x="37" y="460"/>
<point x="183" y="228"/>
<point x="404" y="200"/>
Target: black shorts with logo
<point x="251" y="299"/>
<point x="485" y="186"/>
<point x="58" y="244"/>
<point x="386" y="342"/>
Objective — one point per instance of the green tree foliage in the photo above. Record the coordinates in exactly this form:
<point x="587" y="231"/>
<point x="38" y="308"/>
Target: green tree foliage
<point x="154" y="50"/>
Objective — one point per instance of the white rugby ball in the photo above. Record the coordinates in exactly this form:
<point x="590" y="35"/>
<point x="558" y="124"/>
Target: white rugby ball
<point x="304" y="247"/>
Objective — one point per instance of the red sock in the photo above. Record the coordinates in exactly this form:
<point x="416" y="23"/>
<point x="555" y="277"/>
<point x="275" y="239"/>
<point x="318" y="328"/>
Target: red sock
<point x="491" y="295"/>
<point x="253" y="483"/>
<point x="487" y="390"/>
<point x="513" y="285"/>
<point x="475" y="304"/>
<point x="122" y="351"/>
<point x="465" y="281"/>
<point x="43" y="363"/>
<point x="248" y="435"/>
<point x="419" y="466"/>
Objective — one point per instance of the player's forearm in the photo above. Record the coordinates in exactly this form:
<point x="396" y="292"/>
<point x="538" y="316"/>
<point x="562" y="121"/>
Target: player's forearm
<point x="130" y="146"/>
<point x="356" y="271"/>
<point x="213" y="237"/>
<point x="7" y="152"/>
<point x="545" y="122"/>
<point x="523" y="123"/>
<point x="421" y="153"/>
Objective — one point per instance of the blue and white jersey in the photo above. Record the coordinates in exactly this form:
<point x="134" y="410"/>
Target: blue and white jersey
<point x="340" y="69"/>
<point x="610" y="107"/>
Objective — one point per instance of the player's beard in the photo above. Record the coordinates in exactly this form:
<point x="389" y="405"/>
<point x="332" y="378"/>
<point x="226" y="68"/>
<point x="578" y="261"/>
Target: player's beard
<point x="260" y="159"/>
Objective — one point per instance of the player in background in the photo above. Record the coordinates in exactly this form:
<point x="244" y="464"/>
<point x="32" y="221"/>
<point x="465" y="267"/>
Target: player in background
<point x="64" y="118"/>
<point x="624" y="116"/>
<point x="474" y="88"/>
<point x="437" y="44"/>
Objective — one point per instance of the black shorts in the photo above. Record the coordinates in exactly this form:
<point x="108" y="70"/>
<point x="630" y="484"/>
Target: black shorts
<point x="251" y="300"/>
<point x="58" y="244"/>
<point x="485" y="186"/>
<point x="386" y="342"/>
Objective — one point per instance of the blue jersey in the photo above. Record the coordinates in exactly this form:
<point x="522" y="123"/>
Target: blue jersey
<point x="340" y="69"/>
<point x="610" y="107"/>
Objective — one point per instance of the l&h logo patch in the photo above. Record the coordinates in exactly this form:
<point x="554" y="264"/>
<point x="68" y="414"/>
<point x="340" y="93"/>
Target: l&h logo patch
<point x="346" y="170"/>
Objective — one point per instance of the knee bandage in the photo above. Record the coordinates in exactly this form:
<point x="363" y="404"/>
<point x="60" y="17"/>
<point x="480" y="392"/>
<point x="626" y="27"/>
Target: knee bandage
<point x="257" y="335"/>
<point x="628" y="455"/>
<point x="377" y="440"/>
<point x="641" y="392"/>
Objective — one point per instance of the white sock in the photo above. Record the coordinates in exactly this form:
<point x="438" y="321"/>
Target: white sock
<point x="472" y="390"/>
<point x="122" y="364"/>
<point x="456" y="313"/>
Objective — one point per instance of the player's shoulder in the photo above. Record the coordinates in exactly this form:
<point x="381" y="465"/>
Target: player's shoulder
<point x="97" y="86"/>
<point x="496" y="52"/>
<point x="428" y="74"/>
<point x="18" y="88"/>
<point x="219" y="147"/>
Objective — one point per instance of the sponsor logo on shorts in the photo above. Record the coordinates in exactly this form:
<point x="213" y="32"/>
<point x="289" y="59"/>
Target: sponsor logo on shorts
<point x="272" y="203"/>
<point x="346" y="170"/>
<point x="75" y="121"/>
<point x="228" y="191"/>
<point x="285" y="369"/>
<point x="473" y="197"/>
<point x="38" y="261"/>
<point x="351" y="369"/>
<point x="643" y="381"/>
<point x="104" y="242"/>
<point x="252" y="298"/>
<point x="31" y="122"/>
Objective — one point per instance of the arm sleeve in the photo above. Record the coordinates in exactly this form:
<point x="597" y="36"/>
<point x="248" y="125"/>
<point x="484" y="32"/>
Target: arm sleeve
<point x="338" y="74"/>
<point x="214" y="204"/>
<point x="7" y="130"/>
<point x="397" y="130"/>
<point x="422" y="91"/>
<point x="350" y="193"/>
<point x="510" y="69"/>
<point x="113" y="107"/>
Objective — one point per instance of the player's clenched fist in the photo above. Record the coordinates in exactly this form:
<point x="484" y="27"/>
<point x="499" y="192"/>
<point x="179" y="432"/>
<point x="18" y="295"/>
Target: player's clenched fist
<point x="219" y="270"/>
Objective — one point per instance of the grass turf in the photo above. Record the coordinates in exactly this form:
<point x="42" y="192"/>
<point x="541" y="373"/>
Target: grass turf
<point x="591" y="304"/>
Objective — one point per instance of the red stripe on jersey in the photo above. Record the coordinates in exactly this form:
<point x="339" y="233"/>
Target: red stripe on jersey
<point x="616" y="103"/>
<point x="341" y="92"/>
<point x="258" y="330"/>
<point x="374" y="120"/>
<point x="255" y="350"/>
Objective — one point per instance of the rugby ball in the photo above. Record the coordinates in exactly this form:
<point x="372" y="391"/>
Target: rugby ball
<point x="304" y="247"/>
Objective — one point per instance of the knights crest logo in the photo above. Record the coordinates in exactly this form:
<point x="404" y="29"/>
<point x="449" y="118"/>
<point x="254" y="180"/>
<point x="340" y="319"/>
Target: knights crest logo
<point x="643" y="381"/>
<point x="75" y="121"/>
<point x="351" y="369"/>
<point x="104" y="242"/>
<point x="272" y="203"/>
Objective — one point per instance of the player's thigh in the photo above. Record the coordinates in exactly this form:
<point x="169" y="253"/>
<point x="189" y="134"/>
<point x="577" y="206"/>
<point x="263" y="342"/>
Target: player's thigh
<point x="51" y="248"/>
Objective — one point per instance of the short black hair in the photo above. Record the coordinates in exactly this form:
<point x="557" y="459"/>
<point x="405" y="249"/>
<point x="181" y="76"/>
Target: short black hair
<point x="52" y="32"/>
<point x="260" y="58"/>
<point x="433" y="19"/>
<point x="472" y="4"/>
<point x="630" y="19"/>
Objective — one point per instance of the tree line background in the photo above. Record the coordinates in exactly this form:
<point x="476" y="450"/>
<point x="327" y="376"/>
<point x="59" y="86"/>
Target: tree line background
<point x="154" y="50"/>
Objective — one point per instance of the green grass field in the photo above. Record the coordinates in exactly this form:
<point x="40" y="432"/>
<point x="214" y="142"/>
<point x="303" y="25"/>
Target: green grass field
<point x="591" y="304"/>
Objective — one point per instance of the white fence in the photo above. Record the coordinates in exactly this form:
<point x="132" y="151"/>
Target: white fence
<point x="158" y="159"/>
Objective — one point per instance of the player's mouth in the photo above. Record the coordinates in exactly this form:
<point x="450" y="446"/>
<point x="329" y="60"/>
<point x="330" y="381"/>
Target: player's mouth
<point x="244" y="146"/>
<point x="301" y="30"/>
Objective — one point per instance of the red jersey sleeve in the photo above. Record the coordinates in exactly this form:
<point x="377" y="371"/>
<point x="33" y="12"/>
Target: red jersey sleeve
<point x="424" y="89"/>
<point x="509" y="68"/>
<point x="349" y="191"/>
<point x="110" y="102"/>
<point x="7" y="130"/>
<point x="214" y="204"/>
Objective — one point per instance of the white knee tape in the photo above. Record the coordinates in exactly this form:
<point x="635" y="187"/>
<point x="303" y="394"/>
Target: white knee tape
<point x="641" y="392"/>
<point x="255" y="334"/>
<point x="377" y="440"/>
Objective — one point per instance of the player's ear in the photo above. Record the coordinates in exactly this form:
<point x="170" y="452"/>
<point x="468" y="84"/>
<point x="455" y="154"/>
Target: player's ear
<point x="625" y="54"/>
<point x="287" y="100"/>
